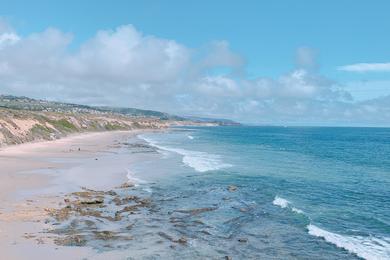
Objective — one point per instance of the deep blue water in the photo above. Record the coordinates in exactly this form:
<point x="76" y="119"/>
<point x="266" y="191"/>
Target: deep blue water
<point x="302" y="192"/>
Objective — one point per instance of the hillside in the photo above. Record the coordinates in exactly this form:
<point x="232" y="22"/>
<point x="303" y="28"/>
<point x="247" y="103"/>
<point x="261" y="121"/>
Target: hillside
<point x="20" y="126"/>
<point x="25" y="103"/>
<point x="24" y="119"/>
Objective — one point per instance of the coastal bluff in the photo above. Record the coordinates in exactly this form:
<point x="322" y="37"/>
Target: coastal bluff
<point x="24" y="119"/>
<point x="21" y="126"/>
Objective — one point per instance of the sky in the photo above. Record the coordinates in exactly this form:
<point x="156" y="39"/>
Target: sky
<point x="258" y="62"/>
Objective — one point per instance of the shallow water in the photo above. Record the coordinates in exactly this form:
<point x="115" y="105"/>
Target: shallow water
<point x="302" y="193"/>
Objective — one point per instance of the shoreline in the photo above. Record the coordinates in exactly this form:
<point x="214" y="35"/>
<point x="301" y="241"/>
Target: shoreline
<point x="21" y="158"/>
<point x="35" y="177"/>
<point x="80" y="200"/>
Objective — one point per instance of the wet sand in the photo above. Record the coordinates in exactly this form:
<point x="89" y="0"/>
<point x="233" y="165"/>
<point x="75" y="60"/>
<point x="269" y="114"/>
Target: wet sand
<point x="35" y="177"/>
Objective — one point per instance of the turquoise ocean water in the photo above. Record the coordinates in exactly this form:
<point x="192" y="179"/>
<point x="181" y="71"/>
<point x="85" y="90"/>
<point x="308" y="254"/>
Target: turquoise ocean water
<point x="302" y="192"/>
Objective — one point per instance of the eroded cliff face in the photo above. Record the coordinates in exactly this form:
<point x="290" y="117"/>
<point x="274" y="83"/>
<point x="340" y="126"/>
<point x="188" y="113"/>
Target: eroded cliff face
<point x="20" y="126"/>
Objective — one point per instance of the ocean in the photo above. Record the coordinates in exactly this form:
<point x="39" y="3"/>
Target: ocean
<point x="269" y="192"/>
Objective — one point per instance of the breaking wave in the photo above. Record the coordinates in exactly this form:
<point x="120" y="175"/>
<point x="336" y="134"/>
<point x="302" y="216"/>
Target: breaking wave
<point x="199" y="161"/>
<point x="365" y="247"/>
<point x="370" y="247"/>
<point x="283" y="203"/>
<point x="134" y="180"/>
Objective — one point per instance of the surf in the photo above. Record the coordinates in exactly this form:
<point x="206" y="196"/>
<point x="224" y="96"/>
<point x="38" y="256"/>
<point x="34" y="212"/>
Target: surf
<point x="199" y="161"/>
<point x="370" y="247"/>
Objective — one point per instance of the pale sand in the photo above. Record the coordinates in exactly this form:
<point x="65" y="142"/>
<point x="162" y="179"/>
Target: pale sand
<point x="35" y="176"/>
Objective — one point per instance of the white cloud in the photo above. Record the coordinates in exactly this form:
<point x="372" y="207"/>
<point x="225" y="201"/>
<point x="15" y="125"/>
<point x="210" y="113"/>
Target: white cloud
<point x="219" y="54"/>
<point x="7" y="35"/>
<point x="366" y="67"/>
<point x="218" y="86"/>
<point x="124" y="67"/>
<point x="128" y="56"/>
<point x="8" y="39"/>
<point x="363" y="90"/>
<point x="306" y="58"/>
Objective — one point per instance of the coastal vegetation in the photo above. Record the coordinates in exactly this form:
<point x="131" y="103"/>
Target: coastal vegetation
<point x="24" y="119"/>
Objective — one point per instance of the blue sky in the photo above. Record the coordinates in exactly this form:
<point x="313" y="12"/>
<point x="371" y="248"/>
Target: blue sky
<point x="264" y="34"/>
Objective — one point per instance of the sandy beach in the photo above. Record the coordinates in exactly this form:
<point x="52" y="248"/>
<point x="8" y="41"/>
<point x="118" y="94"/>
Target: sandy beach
<point x="35" y="176"/>
<point x="221" y="130"/>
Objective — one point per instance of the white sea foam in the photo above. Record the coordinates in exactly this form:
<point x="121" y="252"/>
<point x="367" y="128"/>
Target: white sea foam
<point x="190" y="137"/>
<point x="283" y="203"/>
<point x="297" y="210"/>
<point x="137" y="181"/>
<point x="371" y="248"/>
<point x="200" y="161"/>
<point x="134" y="180"/>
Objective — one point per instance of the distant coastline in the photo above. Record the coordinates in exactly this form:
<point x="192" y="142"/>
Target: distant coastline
<point x="24" y="120"/>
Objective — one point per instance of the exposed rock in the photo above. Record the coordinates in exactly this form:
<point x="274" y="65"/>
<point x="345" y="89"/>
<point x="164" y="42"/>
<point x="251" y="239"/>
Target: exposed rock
<point x="144" y="202"/>
<point x="111" y="193"/>
<point x="181" y="240"/>
<point x="40" y="241"/>
<point x="126" y="185"/>
<point x="199" y="222"/>
<point x="85" y="214"/>
<point x="232" y="188"/>
<point x="130" y="226"/>
<point x="28" y="236"/>
<point x="131" y="208"/>
<point x="73" y="240"/>
<point x="87" y="193"/>
<point x="119" y="201"/>
<point x="166" y="236"/>
<point x="92" y="201"/>
<point x="61" y="214"/>
<point x="195" y="211"/>
<point x="90" y="223"/>
<point x="105" y="235"/>
<point x="206" y="232"/>
<point x="243" y="240"/>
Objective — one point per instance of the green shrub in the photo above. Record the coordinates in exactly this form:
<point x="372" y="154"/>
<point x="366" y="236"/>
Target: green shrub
<point x="63" y="124"/>
<point x="110" y="126"/>
<point x="41" y="131"/>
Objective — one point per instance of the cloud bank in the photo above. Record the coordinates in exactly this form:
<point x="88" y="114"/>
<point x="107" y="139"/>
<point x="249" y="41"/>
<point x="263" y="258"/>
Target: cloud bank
<point x="366" y="67"/>
<point x="124" y="67"/>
